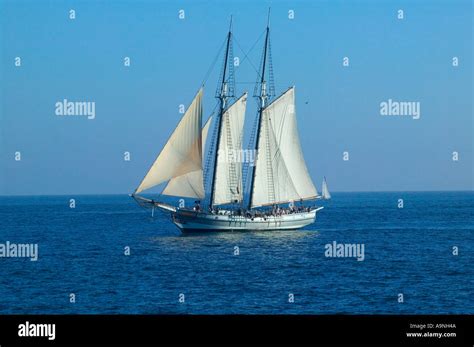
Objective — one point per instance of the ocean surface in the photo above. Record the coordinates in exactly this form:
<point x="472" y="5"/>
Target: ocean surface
<point x="407" y="251"/>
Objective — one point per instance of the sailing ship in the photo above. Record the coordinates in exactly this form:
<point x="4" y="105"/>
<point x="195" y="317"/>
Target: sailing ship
<point x="324" y="190"/>
<point x="280" y="185"/>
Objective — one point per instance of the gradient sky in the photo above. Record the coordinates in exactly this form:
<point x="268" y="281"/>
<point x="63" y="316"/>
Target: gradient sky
<point x="137" y="107"/>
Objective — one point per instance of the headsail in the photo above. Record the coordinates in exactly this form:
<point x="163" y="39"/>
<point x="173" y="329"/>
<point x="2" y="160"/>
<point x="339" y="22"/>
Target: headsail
<point x="281" y="174"/>
<point x="228" y="186"/>
<point x="182" y="153"/>
<point x="190" y="184"/>
<point x="325" y="192"/>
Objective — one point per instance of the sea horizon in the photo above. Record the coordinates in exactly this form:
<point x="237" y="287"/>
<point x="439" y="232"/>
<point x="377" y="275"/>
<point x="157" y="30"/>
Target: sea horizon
<point x="155" y="194"/>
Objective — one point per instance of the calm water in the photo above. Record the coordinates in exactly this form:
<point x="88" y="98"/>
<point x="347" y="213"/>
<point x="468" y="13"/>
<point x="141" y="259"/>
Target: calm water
<point x="81" y="251"/>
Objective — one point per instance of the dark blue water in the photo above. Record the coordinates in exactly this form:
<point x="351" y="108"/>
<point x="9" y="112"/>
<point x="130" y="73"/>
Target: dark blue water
<point x="81" y="251"/>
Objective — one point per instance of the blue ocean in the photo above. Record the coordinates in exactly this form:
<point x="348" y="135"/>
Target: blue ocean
<point x="407" y="251"/>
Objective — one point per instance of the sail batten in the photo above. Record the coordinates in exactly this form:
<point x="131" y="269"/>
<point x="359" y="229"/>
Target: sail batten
<point x="281" y="174"/>
<point x="228" y="185"/>
<point x="182" y="154"/>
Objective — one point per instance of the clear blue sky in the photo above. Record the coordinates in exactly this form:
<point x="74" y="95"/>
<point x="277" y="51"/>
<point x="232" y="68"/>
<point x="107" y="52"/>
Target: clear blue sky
<point x="137" y="107"/>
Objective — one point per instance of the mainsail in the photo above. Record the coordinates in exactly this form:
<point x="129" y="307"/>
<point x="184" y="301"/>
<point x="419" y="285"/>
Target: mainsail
<point x="190" y="184"/>
<point x="228" y="184"/>
<point x="182" y="154"/>
<point x="325" y="192"/>
<point x="281" y="174"/>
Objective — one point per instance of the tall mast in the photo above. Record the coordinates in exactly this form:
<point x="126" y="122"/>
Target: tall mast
<point x="263" y="97"/>
<point x="222" y="95"/>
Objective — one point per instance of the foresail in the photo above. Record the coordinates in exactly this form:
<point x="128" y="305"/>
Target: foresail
<point x="228" y="184"/>
<point x="281" y="174"/>
<point x="190" y="185"/>
<point x="182" y="153"/>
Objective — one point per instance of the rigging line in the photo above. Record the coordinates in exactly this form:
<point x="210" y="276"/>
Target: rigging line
<point x="250" y="50"/>
<point x="192" y="187"/>
<point x="213" y="64"/>
<point x="213" y="110"/>
<point x="251" y="145"/>
<point x="140" y="205"/>
<point x="210" y="147"/>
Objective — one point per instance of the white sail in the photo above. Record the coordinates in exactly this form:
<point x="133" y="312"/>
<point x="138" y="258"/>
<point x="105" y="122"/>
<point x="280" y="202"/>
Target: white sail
<point x="182" y="153"/>
<point x="228" y="184"/>
<point x="325" y="192"/>
<point x="281" y="174"/>
<point x="190" y="185"/>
